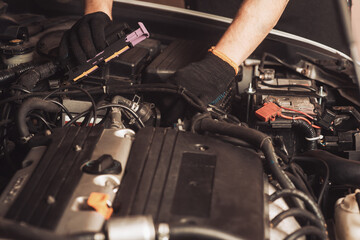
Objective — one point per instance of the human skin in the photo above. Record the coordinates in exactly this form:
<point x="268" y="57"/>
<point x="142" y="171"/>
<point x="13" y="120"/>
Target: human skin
<point x="252" y="23"/>
<point x="355" y="18"/>
<point x="105" y="6"/>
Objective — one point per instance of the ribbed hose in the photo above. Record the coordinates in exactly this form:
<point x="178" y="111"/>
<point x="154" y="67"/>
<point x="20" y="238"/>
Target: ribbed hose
<point x="28" y="106"/>
<point x="7" y="76"/>
<point x="308" y="131"/>
<point x="29" y="79"/>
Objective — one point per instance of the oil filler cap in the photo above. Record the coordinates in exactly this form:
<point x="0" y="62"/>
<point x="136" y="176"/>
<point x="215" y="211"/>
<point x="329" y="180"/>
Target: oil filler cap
<point x="103" y="165"/>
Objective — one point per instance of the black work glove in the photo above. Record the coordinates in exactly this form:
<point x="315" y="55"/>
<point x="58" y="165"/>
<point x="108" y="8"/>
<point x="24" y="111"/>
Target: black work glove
<point x="209" y="79"/>
<point x="86" y="38"/>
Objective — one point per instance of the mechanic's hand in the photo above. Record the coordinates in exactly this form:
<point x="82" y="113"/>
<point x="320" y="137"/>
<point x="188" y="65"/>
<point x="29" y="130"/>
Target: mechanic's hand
<point x="86" y="38"/>
<point x="208" y="79"/>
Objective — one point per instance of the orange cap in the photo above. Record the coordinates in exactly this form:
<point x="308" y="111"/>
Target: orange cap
<point x="99" y="202"/>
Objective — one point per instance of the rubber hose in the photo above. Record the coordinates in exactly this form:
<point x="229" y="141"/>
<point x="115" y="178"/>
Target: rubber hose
<point x="296" y="212"/>
<point x="308" y="131"/>
<point x="29" y="79"/>
<point x="254" y="137"/>
<point x="9" y="75"/>
<point x="28" y="106"/>
<point x="197" y="232"/>
<point x="308" y="230"/>
<point x="14" y="230"/>
<point x="298" y="194"/>
<point x="342" y="170"/>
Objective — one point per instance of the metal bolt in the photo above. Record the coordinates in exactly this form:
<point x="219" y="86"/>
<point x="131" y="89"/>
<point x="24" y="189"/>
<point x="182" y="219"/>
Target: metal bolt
<point x="250" y="90"/>
<point x="50" y="200"/>
<point x="321" y="93"/>
<point x="77" y="148"/>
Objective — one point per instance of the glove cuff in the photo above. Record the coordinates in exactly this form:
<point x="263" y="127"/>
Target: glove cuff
<point x="225" y="58"/>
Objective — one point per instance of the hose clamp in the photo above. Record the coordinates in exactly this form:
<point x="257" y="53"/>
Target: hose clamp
<point x="320" y="137"/>
<point x="26" y="138"/>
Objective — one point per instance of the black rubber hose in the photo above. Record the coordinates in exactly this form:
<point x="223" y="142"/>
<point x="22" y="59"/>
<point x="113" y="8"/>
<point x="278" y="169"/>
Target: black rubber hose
<point x="14" y="230"/>
<point x="308" y="230"/>
<point x="299" y="184"/>
<point x="9" y="75"/>
<point x="308" y="131"/>
<point x="29" y="79"/>
<point x="28" y="106"/>
<point x="197" y="232"/>
<point x="255" y="138"/>
<point x="297" y="212"/>
<point x="342" y="171"/>
<point x="298" y="194"/>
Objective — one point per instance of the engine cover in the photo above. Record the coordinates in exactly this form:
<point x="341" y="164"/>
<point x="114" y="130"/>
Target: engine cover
<point x="52" y="189"/>
<point x="184" y="178"/>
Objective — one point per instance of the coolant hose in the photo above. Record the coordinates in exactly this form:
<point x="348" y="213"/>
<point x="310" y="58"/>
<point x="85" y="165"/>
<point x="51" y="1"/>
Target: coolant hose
<point x="13" y="230"/>
<point x="28" y="106"/>
<point x="29" y="79"/>
<point x="9" y="75"/>
<point x="197" y="232"/>
<point x="308" y="131"/>
<point x="342" y="170"/>
<point x="252" y="136"/>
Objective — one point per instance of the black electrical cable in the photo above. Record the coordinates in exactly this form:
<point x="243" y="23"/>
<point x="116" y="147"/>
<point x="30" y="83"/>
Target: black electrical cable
<point x="63" y="108"/>
<point x="298" y="172"/>
<point x="190" y="98"/>
<point x="18" y="88"/>
<point x="298" y="194"/>
<point x="82" y="90"/>
<point x="252" y="136"/>
<point x="287" y="86"/>
<point x="94" y="90"/>
<point x="282" y="155"/>
<point x="299" y="184"/>
<point x="297" y="212"/>
<point x="308" y="230"/>
<point x="41" y="119"/>
<point x="326" y="178"/>
<point x="104" y="107"/>
<point x="265" y="55"/>
<point x="197" y="232"/>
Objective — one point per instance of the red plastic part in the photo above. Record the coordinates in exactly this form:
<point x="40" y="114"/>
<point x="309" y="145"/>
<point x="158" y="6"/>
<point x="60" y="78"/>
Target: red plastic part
<point x="268" y="112"/>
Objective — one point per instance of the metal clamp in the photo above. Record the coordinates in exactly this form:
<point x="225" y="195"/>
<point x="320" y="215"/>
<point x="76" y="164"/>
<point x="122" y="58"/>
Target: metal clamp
<point x="315" y="138"/>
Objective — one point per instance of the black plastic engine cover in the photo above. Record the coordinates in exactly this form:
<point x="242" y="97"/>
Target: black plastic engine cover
<point x="184" y="178"/>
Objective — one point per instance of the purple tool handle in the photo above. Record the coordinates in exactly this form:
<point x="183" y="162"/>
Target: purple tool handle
<point x="138" y="35"/>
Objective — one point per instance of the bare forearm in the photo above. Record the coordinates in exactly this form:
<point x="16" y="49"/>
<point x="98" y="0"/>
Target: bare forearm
<point x="252" y="23"/>
<point x="105" y="6"/>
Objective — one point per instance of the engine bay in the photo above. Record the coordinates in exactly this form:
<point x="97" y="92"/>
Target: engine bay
<point x="112" y="147"/>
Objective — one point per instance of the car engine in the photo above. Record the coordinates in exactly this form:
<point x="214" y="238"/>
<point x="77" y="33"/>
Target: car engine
<point x="110" y="150"/>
